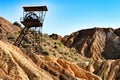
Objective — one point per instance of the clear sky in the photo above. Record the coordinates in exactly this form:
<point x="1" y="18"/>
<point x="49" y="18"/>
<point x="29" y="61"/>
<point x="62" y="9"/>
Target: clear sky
<point x="67" y="16"/>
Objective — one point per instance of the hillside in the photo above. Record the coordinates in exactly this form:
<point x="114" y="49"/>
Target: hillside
<point x="15" y="65"/>
<point x="96" y="43"/>
<point x="8" y="31"/>
<point x="90" y="54"/>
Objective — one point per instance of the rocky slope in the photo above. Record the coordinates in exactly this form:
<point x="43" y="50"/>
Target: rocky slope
<point x="96" y="43"/>
<point x="110" y="69"/>
<point x="7" y="29"/>
<point x="15" y="65"/>
<point x="101" y="44"/>
<point x="106" y="69"/>
<point x="91" y="54"/>
<point x="49" y="64"/>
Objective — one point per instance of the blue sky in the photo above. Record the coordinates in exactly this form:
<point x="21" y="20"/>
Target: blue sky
<point x="67" y="16"/>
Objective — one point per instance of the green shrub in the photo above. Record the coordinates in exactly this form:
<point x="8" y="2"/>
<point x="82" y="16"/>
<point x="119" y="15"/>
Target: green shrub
<point x="44" y="51"/>
<point x="60" y="44"/>
<point x="46" y="35"/>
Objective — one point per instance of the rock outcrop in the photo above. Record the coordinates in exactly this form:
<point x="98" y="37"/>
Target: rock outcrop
<point x="56" y="61"/>
<point x="106" y="69"/>
<point x="7" y="30"/>
<point x="96" y="43"/>
<point x="109" y="70"/>
<point x="56" y="37"/>
<point x="15" y="65"/>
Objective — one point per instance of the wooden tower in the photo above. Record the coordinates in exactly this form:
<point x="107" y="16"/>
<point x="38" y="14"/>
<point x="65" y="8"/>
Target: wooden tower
<point x="33" y="17"/>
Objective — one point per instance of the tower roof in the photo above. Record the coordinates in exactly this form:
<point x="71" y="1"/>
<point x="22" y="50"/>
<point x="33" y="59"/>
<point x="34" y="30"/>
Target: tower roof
<point x="35" y="8"/>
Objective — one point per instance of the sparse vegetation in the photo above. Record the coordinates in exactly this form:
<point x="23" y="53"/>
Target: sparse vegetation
<point x="56" y="48"/>
<point x="50" y="47"/>
<point x="44" y="50"/>
<point x="42" y="56"/>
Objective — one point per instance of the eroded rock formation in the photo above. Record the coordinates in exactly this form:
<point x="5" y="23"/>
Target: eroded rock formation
<point x="7" y="29"/>
<point x="100" y="45"/>
<point x="106" y="69"/>
<point x="56" y="37"/>
<point x="96" y="43"/>
<point x="15" y="65"/>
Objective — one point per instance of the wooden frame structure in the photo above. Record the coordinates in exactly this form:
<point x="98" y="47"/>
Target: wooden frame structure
<point x="33" y="17"/>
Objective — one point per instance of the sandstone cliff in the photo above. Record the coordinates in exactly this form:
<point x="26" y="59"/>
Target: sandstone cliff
<point x="109" y="69"/>
<point x="106" y="69"/>
<point x="96" y="43"/>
